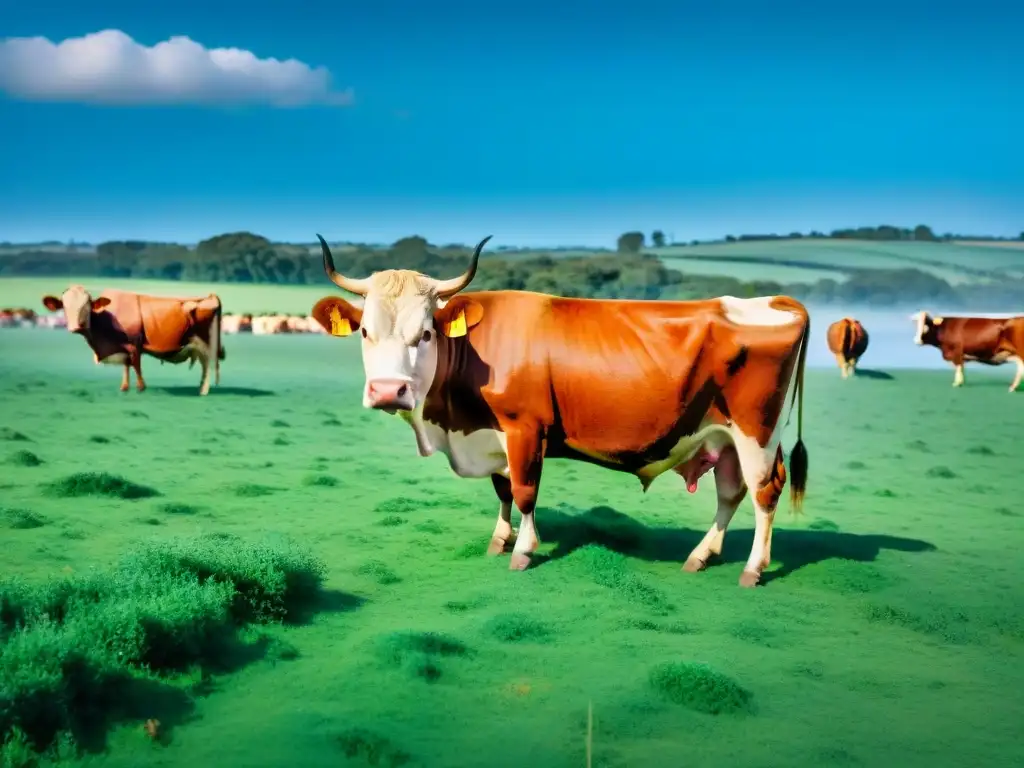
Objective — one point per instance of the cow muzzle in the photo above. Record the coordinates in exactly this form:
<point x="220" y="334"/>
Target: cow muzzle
<point x="390" y="395"/>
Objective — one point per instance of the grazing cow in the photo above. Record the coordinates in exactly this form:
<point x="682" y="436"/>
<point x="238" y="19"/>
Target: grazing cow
<point x="498" y="381"/>
<point x="848" y="341"/>
<point x="986" y="340"/>
<point x="121" y="326"/>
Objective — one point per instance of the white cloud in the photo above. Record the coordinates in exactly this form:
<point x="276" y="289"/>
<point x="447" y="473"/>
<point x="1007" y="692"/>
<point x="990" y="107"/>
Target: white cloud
<point x="109" y="67"/>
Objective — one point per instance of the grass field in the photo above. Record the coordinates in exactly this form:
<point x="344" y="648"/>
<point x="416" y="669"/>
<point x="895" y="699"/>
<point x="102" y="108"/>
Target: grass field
<point x="889" y="630"/>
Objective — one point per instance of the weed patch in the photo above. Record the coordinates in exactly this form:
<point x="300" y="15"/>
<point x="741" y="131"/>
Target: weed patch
<point x="77" y="654"/>
<point x="420" y="653"/>
<point x="320" y="481"/>
<point x="371" y="749"/>
<point x="516" y="627"/>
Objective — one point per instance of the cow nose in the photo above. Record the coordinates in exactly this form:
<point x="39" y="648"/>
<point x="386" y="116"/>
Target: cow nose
<point x="389" y="393"/>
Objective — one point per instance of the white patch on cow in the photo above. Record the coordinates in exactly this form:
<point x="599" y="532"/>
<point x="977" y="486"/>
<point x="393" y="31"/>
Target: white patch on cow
<point x="756" y="311"/>
<point x="201" y="350"/>
<point x="755" y="466"/>
<point x="118" y="358"/>
<point x="479" y="454"/>
<point x="1020" y="371"/>
<point x="958" y="376"/>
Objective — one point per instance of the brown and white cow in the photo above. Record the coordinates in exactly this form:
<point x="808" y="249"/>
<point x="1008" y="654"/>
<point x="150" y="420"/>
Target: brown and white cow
<point x="986" y="340"/>
<point x="848" y="341"/>
<point x="121" y="326"/>
<point x="498" y="381"/>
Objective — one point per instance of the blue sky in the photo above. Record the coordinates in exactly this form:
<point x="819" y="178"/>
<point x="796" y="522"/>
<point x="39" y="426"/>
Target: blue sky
<point x="565" y="126"/>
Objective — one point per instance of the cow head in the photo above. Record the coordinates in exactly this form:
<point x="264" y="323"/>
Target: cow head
<point x="927" y="328"/>
<point x="402" y="313"/>
<point x="78" y="307"/>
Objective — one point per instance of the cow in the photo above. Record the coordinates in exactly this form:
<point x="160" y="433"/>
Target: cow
<point x="985" y="340"/>
<point x="848" y="341"/>
<point x="121" y="326"/>
<point x="497" y="381"/>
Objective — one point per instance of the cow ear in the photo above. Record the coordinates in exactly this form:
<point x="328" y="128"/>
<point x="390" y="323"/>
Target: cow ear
<point x="458" y="316"/>
<point x="52" y="303"/>
<point x="100" y="303"/>
<point x="337" y="316"/>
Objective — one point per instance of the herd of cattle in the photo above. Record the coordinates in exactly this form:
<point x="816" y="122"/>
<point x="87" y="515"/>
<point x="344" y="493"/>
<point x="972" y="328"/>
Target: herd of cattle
<point x="262" y="324"/>
<point x="497" y="381"/>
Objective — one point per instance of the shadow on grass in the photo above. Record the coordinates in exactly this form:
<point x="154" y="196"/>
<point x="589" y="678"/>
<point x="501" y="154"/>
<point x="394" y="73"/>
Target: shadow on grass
<point x="222" y="391"/>
<point x="869" y="373"/>
<point x="326" y="601"/>
<point x="793" y="549"/>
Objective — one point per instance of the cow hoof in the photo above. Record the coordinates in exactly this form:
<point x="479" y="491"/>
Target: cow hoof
<point x="694" y="565"/>
<point x="749" y="578"/>
<point x="496" y="547"/>
<point x="124" y="388"/>
<point x="519" y="562"/>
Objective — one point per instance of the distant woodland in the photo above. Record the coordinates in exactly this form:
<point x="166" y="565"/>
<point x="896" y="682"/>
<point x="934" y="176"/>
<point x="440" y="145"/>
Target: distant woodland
<point x="630" y="271"/>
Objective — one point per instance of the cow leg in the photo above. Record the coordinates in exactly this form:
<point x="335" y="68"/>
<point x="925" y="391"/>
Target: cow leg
<point x="766" y="473"/>
<point x="842" y="364"/>
<point x="1020" y="373"/>
<point x="731" y="490"/>
<point x="503" y="531"/>
<point x="125" y="377"/>
<point x="525" y="459"/>
<point x="204" y="361"/>
<point x="958" y="374"/>
<point x="136" y="360"/>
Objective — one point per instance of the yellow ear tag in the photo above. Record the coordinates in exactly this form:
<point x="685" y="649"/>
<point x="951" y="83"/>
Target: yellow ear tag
<point x="937" y="321"/>
<point x="456" y="326"/>
<point x="340" y="326"/>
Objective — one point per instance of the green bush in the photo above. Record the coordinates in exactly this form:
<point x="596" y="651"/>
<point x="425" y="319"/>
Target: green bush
<point x="73" y="650"/>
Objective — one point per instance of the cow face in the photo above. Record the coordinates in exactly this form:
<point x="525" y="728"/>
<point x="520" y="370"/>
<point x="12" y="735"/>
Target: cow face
<point x="402" y="314"/>
<point x="927" y="329"/>
<point x="78" y="307"/>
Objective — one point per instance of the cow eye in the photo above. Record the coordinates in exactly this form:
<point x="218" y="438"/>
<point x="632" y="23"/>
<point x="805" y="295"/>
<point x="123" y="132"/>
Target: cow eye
<point x="426" y="336"/>
<point x="363" y="330"/>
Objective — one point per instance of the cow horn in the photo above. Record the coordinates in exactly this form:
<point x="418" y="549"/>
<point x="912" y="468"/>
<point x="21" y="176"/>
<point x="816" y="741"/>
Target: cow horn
<point x="350" y="284"/>
<point x="448" y="288"/>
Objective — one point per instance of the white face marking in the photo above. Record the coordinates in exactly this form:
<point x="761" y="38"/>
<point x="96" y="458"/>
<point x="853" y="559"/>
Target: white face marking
<point x="919" y="318"/>
<point x="756" y="311"/>
<point x="399" y="343"/>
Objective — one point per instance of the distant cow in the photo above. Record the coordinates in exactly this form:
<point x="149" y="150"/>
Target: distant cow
<point x="986" y="340"/>
<point x="497" y="381"/>
<point x="848" y="341"/>
<point x="121" y="326"/>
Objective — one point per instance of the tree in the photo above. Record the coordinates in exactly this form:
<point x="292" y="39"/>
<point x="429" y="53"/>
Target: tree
<point x="658" y="238"/>
<point x="922" y="232"/>
<point x="630" y="242"/>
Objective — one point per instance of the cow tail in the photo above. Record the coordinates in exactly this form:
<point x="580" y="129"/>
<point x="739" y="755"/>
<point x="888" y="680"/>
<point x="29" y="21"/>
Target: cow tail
<point x="220" y="353"/>
<point x="798" y="456"/>
<point x="847" y="339"/>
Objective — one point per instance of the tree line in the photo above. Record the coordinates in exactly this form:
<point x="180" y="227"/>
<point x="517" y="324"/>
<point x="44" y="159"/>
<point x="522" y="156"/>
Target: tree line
<point x="634" y="241"/>
<point x="243" y="257"/>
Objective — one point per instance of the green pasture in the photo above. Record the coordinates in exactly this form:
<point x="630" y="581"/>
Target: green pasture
<point x="888" y="631"/>
<point x="809" y="259"/>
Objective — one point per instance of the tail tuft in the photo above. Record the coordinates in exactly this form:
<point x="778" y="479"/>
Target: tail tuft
<point x="798" y="476"/>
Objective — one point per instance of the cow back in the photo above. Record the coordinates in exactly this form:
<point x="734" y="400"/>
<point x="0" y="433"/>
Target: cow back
<point x="165" y="321"/>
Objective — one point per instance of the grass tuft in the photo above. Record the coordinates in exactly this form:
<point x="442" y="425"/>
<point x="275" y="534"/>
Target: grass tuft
<point x="700" y="688"/>
<point x="371" y="749"/>
<point x="320" y="481"/>
<point x="19" y="519"/>
<point x="24" y="459"/>
<point x="97" y="484"/>
<point x="516" y="627"/>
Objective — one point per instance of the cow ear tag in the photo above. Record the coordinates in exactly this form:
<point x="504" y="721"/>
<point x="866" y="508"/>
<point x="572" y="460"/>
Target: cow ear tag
<point x="456" y="326"/>
<point x="937" y="321"/>
<point x="340" y="326"/>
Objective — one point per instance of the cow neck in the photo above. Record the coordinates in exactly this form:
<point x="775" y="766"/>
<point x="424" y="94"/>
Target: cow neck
<point x="454" y="401"/>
